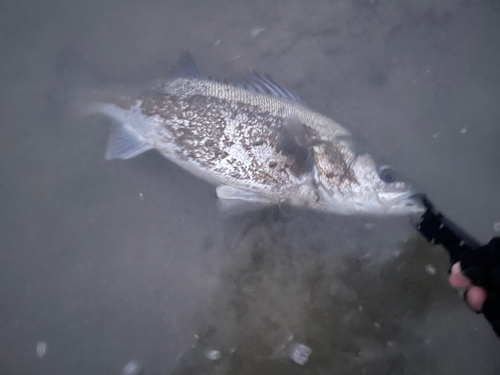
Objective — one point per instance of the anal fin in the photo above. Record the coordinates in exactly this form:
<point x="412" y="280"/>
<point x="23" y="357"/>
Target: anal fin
<point x="123" y="144"/>
<point x="238" y="201"/>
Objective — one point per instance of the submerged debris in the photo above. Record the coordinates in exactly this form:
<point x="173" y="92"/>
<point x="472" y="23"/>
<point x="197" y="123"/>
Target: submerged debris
<point x="213" y="354"/>
<point x="256" y="31"/>
<point x="496" y="227"/>
<point x="299" y="353"/>
<point x="132" y="368"/>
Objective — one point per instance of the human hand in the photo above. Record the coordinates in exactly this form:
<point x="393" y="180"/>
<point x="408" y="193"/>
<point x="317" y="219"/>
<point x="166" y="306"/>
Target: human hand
<point x="474" y="296"/>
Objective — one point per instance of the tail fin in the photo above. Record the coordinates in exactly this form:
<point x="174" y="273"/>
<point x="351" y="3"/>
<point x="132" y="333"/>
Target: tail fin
<point x="124" y="144"/>
<point x="85" y="96"/>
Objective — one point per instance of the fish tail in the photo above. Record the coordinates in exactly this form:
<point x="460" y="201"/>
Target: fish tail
<point x="85" y="97"/>
<point x="129" y="127"/>
<point x="124" y="143"/>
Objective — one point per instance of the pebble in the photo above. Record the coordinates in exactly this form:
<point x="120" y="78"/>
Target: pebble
<point x="463" y="131"/>
<point x="431" y="270"/>
<point x="41" y="349"/>
<point x="213" y="354"/>
<point x="132" y="368"/>
<point x="141" y="196"/>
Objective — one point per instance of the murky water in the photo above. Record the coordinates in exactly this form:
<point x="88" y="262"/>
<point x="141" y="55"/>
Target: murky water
<point x="108" y="262"/>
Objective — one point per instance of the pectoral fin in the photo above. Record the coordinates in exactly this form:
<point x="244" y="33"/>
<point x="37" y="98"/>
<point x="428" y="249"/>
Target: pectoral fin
<point x="295" y="142"/>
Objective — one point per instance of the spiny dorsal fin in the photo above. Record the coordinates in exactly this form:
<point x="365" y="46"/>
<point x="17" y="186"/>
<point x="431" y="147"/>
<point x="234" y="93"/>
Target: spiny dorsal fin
<point x="186" y="68"/>
<point x="264" y="84"/>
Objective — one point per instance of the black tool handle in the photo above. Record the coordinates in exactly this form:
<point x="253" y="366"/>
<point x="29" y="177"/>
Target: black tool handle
<point x="439" y="230"/>
<point x="481" y="264"/>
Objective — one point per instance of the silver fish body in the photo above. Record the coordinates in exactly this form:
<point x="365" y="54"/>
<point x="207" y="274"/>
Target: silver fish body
<point x="255" y="142"/>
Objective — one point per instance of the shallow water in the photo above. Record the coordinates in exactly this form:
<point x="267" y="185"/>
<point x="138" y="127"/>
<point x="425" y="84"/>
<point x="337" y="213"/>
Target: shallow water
<point x="111" y="261"/>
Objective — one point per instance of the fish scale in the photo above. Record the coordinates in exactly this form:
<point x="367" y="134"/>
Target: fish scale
<point x="326" y="127"/>
<point x="230" y="138"/>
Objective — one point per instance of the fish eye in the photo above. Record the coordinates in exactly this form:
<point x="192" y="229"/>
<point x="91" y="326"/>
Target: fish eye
<point x="387" y="174"/>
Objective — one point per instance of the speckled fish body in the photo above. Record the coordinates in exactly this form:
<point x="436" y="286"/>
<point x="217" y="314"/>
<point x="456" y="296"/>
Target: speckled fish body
<point x="254" y="141"/>
<point x="229" y="133"/>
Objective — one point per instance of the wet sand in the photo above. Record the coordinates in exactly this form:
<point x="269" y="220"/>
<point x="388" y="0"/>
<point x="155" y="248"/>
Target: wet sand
<point x="112" y="261"/>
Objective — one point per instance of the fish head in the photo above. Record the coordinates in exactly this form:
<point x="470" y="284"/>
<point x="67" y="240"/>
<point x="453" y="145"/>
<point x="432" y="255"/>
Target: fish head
<point x="351" y="184"/>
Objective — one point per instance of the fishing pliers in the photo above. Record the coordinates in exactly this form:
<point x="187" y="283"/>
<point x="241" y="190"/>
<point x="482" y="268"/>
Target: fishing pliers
<point x="481" y="264"/>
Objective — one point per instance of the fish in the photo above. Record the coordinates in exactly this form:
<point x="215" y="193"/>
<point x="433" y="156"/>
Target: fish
<point x="256" y="141"/>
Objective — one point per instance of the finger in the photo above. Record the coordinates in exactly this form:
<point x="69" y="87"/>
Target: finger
<point x="457" y="278"/>
<point x="475" y="297"/>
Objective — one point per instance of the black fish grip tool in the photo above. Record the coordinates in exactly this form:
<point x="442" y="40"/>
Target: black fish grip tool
<point x="481" y="264"/>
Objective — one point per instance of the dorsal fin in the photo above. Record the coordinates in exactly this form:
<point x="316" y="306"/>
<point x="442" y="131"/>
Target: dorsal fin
<point x="186" y="68"/>
<point x="264" y="84"/>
